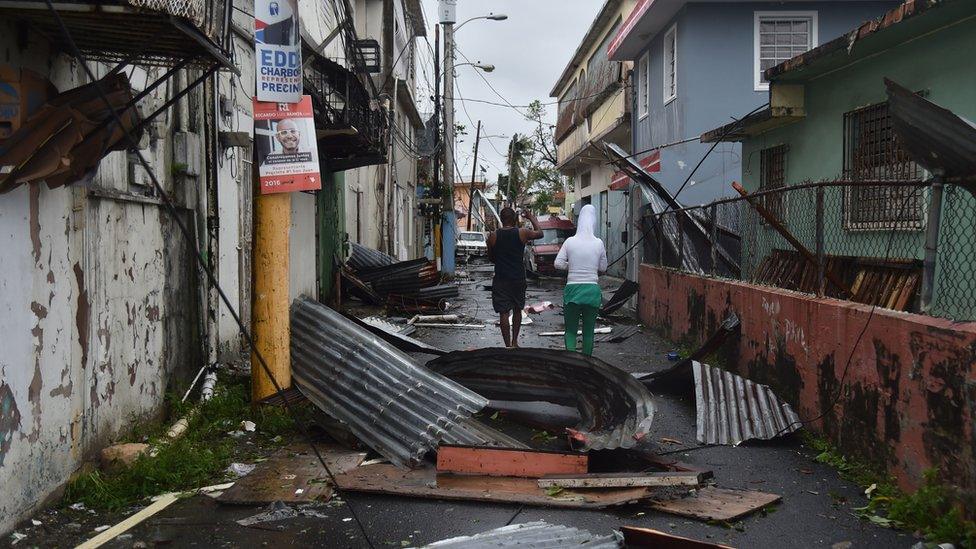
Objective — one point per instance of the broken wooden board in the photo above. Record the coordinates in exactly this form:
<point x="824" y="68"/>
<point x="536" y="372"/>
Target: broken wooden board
<point x="506" y="462"/>
<point x="716" y="504"/>
<point x="621" y="480"/>
<point x="293" y="475"/>
<point x="426" y="483"/>
<point x="655" y="539"/>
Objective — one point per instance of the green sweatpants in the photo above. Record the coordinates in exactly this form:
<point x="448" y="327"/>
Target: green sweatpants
<point x="581" y="301"/>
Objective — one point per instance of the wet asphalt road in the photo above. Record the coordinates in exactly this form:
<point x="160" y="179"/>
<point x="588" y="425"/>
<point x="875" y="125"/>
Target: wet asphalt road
<point x="816" y="509"/>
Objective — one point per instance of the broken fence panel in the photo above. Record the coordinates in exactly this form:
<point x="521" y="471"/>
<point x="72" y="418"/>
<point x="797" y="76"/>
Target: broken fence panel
<point x="398" y="408"/>
<point x="530" y="534"/>
<point x="615" y="409"/>
<point x="732" y="409"/>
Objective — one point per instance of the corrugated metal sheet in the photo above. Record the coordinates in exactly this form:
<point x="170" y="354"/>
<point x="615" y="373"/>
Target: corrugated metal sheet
<point x="396" y="407"/>
<point x="531" y="535"/>
<point x="361" y="257"/>
<point x="732" y="409"/>
<point x="477" y="433"/>
<point x="395" y="334"/>
<point x="615" y="409"/>
<point x="620" y="297"/>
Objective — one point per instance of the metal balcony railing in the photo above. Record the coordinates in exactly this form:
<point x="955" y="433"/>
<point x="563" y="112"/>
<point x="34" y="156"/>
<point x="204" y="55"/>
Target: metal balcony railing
<point x="351" y="133"/>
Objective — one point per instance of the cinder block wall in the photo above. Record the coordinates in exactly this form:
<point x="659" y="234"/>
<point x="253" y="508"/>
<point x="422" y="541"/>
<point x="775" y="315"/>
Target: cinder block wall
<point x="907" y="400"/>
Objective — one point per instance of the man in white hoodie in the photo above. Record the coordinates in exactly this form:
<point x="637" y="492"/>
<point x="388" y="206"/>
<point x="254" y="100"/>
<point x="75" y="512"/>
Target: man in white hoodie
<point x="585" y="257"/>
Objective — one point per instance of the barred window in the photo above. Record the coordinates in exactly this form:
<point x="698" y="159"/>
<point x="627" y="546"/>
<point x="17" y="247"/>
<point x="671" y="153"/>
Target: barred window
<point x="585" y="179"/>
<point x="772" y="175"/>
<point x="780" y="36"/>
<point x="872" y="153"/>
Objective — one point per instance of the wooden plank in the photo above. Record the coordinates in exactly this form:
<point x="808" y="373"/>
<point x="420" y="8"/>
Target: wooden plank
<point x="426" y="483"/>
<point x="158" y="505"/>
<point x="907" y="292"/>
<point x="620" y="480"/>
<point x="655" y="539"/>
<point x="716" y="504"/>
<point x="293" y="475"/>
<point x="505" y="462"/>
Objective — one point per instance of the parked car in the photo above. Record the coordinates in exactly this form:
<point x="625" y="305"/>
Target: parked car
<point x="540" y="255"/>
<point x="471" y="243"/>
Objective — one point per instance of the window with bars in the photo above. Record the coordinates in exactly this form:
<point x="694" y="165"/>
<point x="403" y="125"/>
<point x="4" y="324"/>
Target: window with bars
<point x="671" y="64"/>
<point x="585" y="179"/>
<point x="781" y="36"/>
<point x="772" y="175"/>
<point x="643" y="85"/>
<point x="872" y="153"/>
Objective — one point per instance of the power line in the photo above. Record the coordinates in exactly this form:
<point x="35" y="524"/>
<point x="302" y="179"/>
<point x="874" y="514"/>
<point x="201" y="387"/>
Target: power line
<point x="202" y="263"/>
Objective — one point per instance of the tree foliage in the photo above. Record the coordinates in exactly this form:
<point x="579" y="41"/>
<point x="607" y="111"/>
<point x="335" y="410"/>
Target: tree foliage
<point x="532" y="179"/>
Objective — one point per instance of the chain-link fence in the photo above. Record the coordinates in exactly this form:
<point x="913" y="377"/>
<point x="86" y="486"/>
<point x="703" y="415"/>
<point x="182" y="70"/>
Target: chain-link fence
<point x="861" y="242"/>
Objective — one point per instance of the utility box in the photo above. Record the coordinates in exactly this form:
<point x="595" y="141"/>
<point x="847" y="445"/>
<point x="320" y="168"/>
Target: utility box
<point x="22" y="93"/>
<point x="447" y="10"/>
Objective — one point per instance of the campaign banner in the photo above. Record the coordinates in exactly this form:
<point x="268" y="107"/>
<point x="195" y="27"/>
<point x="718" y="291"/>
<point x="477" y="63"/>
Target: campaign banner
<point x="278" y="51"/>
<point x="284" y="140"/>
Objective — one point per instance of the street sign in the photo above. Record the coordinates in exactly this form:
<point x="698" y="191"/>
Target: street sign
<point x="284" y="141"/>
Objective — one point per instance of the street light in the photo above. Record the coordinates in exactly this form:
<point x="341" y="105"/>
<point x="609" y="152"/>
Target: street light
<point x="487" y="67"/>
<point x="490" y="17"/>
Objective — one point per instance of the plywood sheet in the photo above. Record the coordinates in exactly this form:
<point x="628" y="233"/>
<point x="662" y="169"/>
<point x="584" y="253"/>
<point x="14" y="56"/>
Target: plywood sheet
<point x="716" y="504"/>
<point x="426" y="483"/>
<point x="293" y="475"/>
<point x="505" y="462"/>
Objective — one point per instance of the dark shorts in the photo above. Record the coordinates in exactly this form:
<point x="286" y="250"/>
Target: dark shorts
<point x="507" y="295"/>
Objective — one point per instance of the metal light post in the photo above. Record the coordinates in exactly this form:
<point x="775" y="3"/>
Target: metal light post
<point x="447" y="11"/>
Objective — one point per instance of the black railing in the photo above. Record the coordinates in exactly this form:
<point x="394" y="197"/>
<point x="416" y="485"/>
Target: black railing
<point x="352" y="131"/>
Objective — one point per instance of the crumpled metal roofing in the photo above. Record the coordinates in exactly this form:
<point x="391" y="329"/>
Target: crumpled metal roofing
<point x="537" y="534"/>
<point x="615" y="409"/>
<point x="732" y="409"/>
<point x="396" y="335"/>
<point x="398" y="408"/>
<point x="361" y="257"/>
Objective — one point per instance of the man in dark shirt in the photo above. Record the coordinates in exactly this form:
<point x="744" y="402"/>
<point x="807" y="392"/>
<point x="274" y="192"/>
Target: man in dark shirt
<point x="506" y="247"/>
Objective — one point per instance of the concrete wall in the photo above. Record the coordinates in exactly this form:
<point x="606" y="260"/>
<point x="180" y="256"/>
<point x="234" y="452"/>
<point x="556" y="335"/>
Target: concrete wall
<point x="715" y="80"/>
<point x="98" y="306"/>
<point x="905" y="400"/>
<point x="816" y="147"/>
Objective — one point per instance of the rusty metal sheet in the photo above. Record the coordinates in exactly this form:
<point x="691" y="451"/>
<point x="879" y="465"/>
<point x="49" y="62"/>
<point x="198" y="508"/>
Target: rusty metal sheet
<point x="395" y="406"/>
<point x="426" y="483"/>
<point x="531" y="535"/>
<point x="655" y="539"/>
<point x="732" y="409"/>
<point x="509" y="462"/>
<point x="292" y="475"/>
<point x="713" y="503"/>
<point x="615" y="409"/>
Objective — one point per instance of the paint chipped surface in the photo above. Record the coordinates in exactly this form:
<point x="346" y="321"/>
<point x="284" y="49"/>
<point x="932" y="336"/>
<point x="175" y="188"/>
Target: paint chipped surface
<point x="906" y="397"/>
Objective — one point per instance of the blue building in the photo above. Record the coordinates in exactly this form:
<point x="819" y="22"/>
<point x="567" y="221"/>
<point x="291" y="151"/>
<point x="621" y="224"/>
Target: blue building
<point x="697" y="62"/>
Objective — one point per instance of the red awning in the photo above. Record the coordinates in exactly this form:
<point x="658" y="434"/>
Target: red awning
<point x="650" y="163"/>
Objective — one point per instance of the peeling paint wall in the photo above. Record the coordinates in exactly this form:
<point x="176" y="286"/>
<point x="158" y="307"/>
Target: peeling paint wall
<point x="906" y="401"/>
<point x="99" y="307"/>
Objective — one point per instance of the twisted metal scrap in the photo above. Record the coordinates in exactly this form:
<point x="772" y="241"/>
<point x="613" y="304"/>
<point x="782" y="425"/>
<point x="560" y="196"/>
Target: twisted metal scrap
<point x="616" y="410"/>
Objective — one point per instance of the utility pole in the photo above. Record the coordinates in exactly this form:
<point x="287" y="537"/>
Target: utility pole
<point x="435" y="232"/>
<point x="448" y="219"/>
<point x="474" y="171"/>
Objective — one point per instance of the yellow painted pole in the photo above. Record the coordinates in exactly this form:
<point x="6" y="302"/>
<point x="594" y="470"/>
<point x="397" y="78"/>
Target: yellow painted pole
<point x="270" y="325"/>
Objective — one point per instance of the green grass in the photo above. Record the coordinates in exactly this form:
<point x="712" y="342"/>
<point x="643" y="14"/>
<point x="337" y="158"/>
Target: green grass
<point x="196" y="459"/>
<point x="934" y="510"/>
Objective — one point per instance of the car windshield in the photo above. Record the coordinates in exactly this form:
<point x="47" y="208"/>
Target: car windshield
<point x="471" y="237"/>
<point x="554" y="236"/>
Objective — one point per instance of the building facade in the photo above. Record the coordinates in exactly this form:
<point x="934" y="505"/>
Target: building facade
<point x="697" y="63"/>
<point x="829" y="120"/>
<point x="594" y="107"/>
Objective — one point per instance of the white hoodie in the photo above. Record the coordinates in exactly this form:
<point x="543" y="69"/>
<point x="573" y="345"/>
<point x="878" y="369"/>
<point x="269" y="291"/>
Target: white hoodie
<point x="584" y="254"/>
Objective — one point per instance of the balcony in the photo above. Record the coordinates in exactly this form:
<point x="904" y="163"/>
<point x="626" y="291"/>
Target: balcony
<point x="351" y="132"/>
<point x="145" y="32"/>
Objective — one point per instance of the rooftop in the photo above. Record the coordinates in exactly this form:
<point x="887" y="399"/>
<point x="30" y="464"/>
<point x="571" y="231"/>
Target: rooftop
<point x="599" y="26"/>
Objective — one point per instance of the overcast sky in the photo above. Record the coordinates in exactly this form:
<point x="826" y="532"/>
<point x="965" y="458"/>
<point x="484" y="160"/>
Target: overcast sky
<point x="529" y="50"/>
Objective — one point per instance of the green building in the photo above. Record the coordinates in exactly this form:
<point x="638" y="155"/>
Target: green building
<point x="828" y="121"/>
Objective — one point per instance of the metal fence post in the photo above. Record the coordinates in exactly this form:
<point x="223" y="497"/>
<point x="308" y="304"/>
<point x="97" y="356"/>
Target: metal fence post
<point x="820" y="241"/>
<point x="681" y="242"/>
<point x="713" y="218"/>
<point x="931" y="243"/>
<point x="660" y="240"/>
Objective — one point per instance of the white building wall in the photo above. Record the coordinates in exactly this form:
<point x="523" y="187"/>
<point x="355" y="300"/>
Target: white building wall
<point x="98" y="312"/>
